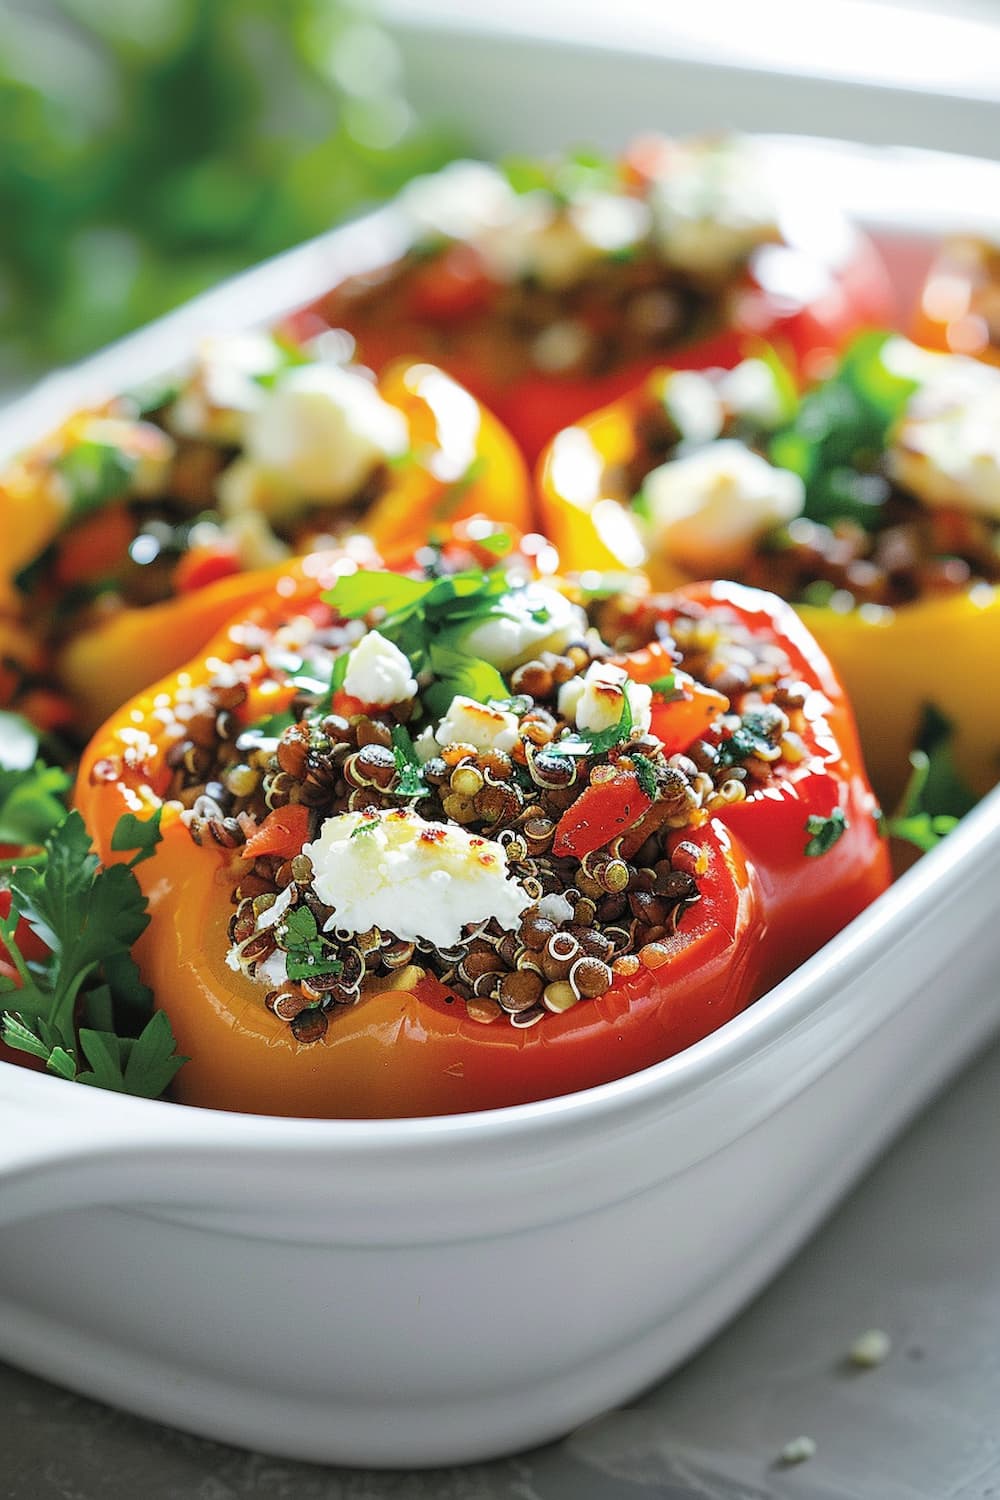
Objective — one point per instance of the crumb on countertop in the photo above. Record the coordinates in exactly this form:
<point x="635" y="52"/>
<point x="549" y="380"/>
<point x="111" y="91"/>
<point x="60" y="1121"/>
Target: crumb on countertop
<point x="870" y="1349"/>
<point x="798" y="1450"/>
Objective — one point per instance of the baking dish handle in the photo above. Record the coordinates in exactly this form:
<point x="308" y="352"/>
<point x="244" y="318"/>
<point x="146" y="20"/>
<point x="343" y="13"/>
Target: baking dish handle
<point x="67" y="1146"/>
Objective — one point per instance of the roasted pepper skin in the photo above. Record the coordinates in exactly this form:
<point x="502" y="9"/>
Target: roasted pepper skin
<point x="931" y="652"/>
<point x="109" y="661"/>
<point x="845" y="297"/>
<point x="406" y="1050"/>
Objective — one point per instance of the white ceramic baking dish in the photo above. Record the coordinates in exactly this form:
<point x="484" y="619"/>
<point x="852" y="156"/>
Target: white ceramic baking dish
<point x="436" y="1291"/>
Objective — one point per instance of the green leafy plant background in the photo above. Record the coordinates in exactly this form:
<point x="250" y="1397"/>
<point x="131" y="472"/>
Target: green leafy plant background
<point x="148" y="148"/>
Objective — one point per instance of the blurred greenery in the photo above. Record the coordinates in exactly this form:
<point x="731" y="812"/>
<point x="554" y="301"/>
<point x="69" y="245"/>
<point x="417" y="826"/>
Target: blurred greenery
<point x="150" y="147"/>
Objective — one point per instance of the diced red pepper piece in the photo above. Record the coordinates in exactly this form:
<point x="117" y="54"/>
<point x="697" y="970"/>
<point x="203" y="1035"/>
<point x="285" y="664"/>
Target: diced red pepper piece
<point x="679" y="721"/>
<point x="283" y="832"/>
<point x="206" y="564"/>
<point x="602" y="813"/>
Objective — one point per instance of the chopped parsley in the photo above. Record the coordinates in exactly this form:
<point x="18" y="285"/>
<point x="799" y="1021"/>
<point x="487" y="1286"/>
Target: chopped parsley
<point x="751" y="737"/>
<point x="936" y="798"/>
<point x="368" y="827"/>
<point x="665" y="687"/>
<point x="645" y="775"/>
<point x="421" y="617"/>
<point x="408" y="768"/>
<point x="31" y="793"/>
<point x="94" y="473"/>
<point x="824" y="832"/>
<point x="584" y="742"/>
<point x="306" y="950"/>
<point x="82" y="1007"/>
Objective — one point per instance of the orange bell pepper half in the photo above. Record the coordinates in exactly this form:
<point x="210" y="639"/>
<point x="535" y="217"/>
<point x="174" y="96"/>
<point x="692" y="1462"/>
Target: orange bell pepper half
<point x="460" y="463"/>
<point x="407" y="1047"/>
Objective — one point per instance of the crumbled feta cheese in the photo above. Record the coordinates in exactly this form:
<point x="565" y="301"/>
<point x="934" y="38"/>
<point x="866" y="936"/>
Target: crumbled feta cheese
<point x="711" y="207"/>
<point x="425" y="746"/>
<point x="464" y="200"/>
<point x="223" y="387"/>
<point x="378" y="672"/>
<point x="707" y="509"/>
<point x="417" y="879"/>
<point x="558" y="244"/>
<point x="751" y="391"/>
<point x="870" y="1349"/>
<point x="276" y="910"/>
<point x="323" y="429"/>
<point x="595" y="702"/>
<point x="556" y="908"/>
<point x="470" y="723"/>
<point x="526" y="621"/>
<point x="693" y="404"/>
<point x="946" y="447"/>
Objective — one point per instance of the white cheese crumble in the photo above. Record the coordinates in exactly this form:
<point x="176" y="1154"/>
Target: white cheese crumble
<point x="223" y="387"/>
<point x="463" y="201"/>
<point x="378" y="672"/>
<point x="320" y="431"/>
<point x="692" y="402"/>
<point x="420" y="880"/>
<point x="596" y="701"/>
<point x="946" y="447"/>
<point x="558" y="244"/>
<point x="479" y="724"/>
<point x="711" y="207"/>
<point x="708" y="509"/>
<point x="525" y="621"/>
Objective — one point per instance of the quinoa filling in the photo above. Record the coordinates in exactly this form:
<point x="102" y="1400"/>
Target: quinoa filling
<point x="864" y="538"/>
<point x="590" y="916"/>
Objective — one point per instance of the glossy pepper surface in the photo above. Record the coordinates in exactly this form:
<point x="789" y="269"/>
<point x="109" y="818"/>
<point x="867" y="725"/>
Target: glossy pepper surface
<point x="408" y="1047"/>
<point x="898" y="660"/>
<point x="543" y="334"/>
<point x="459" y="462"/>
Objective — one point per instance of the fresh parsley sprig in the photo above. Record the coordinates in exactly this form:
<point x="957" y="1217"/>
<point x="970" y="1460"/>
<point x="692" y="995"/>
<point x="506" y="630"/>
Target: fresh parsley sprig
<point x="32" y="794"/>
<point x="935" y="798"/>
<point x="421" y="618"/>
<point x="82" y="1007"/>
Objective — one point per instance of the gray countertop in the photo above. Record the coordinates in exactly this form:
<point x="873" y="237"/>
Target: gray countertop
<point x="914" y="1251"/>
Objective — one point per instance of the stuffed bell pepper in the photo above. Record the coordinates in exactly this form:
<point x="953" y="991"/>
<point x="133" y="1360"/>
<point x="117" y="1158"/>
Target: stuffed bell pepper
<point x="437" y="841"/>
<point x="872" y="504"/>
<point x="549" y="289"/>
<point x="134" y="532"/>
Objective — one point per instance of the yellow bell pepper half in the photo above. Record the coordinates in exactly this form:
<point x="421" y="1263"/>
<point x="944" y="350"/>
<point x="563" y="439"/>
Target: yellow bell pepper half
<point x="941" y="652"/>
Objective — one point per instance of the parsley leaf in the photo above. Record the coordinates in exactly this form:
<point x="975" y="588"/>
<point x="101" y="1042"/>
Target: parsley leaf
<point x="305" y="947"/>
<point x="140" y="834"/>
<point x="31" y="793"/>
<point x="408" y="768"/>
<point x="665" y="687"/>
<point x="936" y="797"/>
<point x="88" y="918"/>
<point x="824" y="832"/>
<point x="95" y="473"/>
<point x="646" y="776"/>
<point x="368" y="827"/>
<point x="583" y="742"/>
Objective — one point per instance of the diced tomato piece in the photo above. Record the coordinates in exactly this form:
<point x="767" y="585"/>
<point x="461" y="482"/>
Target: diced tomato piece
<point x="602" y="813"/>
<point x="282" y="832"/>
<point x="206" y="564"/>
